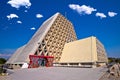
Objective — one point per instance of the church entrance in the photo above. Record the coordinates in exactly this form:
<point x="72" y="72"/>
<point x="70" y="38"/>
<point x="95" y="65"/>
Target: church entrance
<point x="40" y="61"/>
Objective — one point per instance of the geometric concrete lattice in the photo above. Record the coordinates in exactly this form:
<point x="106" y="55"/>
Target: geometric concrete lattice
<point x="49" y="40"/>
<point x="60" y="32"/>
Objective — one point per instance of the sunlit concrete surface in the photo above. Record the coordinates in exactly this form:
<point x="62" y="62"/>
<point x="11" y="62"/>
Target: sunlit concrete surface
<point x="58" y="73"/>
<point x="5" y="78"/>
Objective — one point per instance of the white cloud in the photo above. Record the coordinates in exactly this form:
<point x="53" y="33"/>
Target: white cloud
<point x="39" y="15"/>
<point x="101" y="15"/>
<point x="82" y="9"/>
<point x="33" y="28"/>
<point x="20" y="22"/>
<point x="25" y="11"/>
<point x="18" y="3"/>
<point x="112" y="14"/>
<point x="10" y="16"/>
<point x="5" y="55"/>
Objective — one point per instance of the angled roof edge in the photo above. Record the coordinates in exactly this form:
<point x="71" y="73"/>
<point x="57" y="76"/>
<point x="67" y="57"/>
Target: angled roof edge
<point x="15" y="55"/>
<point x="32" y="44"/>
<point x="41" y="37"/>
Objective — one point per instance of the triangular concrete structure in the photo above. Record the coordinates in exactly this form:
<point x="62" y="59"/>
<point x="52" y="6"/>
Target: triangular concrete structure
<point x="49" y="40"/>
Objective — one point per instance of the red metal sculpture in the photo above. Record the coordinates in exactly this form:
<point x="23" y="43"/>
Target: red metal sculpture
<point x="39" y="61"/>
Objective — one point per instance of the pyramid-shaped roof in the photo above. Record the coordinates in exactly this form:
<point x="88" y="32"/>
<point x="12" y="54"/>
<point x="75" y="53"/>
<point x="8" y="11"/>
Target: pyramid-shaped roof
<point x="32" y="45"/>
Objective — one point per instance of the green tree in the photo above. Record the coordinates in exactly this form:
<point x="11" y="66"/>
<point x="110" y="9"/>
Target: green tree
<point x="2" y="60"/>
<point x="117" y="60"/>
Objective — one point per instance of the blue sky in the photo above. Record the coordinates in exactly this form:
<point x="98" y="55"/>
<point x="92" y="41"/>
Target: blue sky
<point x="20" y="19"/>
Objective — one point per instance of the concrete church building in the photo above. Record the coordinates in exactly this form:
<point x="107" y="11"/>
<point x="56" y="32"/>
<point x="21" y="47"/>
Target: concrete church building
<point x="87" y="52"/>
<point x="49" y="40"/>
<point x="56" y="37"/>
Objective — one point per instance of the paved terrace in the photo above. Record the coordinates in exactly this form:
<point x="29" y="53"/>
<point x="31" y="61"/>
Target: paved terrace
<point x="57" y="73"/>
